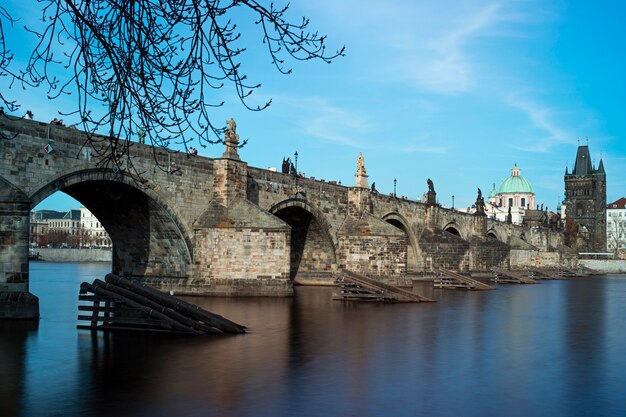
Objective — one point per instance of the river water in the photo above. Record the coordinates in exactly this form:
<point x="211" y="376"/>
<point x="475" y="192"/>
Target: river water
<point x="554" y="349"/>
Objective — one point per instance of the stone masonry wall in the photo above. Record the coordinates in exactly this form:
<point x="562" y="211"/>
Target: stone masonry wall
<point x="522" y="259"/>
<point x="237" y="258"/>
<point x="229" y="180"/>
<point x="378" y="256"/>
<point x="14" y="229"/>
<point x="486" y="253"/>
<point x="444" y="250"/>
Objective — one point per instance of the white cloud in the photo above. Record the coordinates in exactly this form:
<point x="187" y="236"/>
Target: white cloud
<point x="542" y="118"/>
<point x="321" y="119"/>
<point x="428" y="45"/>
<point x="438" y="48"/>
<point x="555" y="125"/>
<point x="426" y="148"/>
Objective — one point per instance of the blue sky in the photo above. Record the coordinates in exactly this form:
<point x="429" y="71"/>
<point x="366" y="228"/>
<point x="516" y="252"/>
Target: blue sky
<point x="455" y="91"/>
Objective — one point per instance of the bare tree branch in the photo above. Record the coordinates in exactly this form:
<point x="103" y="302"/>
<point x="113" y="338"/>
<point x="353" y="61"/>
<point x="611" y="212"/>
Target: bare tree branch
<point x="153" y="65"/>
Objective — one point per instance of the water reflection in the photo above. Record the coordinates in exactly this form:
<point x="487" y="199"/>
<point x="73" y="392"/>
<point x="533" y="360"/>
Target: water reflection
<point x="584" y="341"/>
<point x="554" y="349"/>
<point x="14" y="337"/>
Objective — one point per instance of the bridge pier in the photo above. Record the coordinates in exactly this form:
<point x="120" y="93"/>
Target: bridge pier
<point x="369" y="245"/>
<point x="240" y="249"/>
<point x="15" y="300"/>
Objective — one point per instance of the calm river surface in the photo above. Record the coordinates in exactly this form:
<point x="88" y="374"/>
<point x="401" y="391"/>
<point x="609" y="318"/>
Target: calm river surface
<point x="554" y="349"/>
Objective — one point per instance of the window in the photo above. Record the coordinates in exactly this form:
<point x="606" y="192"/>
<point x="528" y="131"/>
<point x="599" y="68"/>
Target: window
<point x="510" y="202"/>
<point x="523" y="202"/>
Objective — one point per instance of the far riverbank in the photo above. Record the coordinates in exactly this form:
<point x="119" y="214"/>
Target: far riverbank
<point x="606" y="266"/>
<point x="613" y="266"/>
<point x="74" y="255"/>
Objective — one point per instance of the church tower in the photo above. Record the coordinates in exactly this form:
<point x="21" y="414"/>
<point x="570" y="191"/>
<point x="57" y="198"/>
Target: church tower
<point x="585" y="202"/>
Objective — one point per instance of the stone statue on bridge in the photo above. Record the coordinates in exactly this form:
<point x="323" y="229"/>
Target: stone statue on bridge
<point x="360" y="177"/>
<point x="141" y="134"/>
<point x="286" y="167"/>
<point x="232" y="129"/>
<point x="431" y="195"/>
<point x="231" y="140"/>
<point x="480" y="204"/>
<point x="431" y="186"/>
<point x="360" y="165"/>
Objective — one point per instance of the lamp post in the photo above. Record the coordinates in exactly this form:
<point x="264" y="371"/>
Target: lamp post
<point x="295" y="180"/>
<point x="452" y="201"/>
<point x="394" y="187"/>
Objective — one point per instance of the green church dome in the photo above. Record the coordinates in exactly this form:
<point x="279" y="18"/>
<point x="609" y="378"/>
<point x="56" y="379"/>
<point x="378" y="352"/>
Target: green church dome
<point x="515" y="184"/>
<point x="493" y="192"/>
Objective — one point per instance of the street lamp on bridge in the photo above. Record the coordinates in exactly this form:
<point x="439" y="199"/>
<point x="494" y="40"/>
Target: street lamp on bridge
<point x="295" y="180"/>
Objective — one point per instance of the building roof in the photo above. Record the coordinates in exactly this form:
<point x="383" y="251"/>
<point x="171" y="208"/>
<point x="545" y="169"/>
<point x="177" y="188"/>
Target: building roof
<point x="493" y="193"/>
<point x="617" y="204"/>
<point x="72" y="214"/>
<point x="534" y="215"/>
<point x="48" y="215"/>
<point x="515" y="184"/>
<point x="583" y="165"/>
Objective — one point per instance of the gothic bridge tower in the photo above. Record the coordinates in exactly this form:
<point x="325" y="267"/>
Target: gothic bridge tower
<point x="585" y="202"/>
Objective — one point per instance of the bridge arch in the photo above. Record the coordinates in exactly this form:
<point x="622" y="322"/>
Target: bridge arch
<point x="313" y="249"/>
<point x="413" y="253"/>
<point x="493" y="233"/>
<point x="149" y="238"/>
<point x="453" y="228"/>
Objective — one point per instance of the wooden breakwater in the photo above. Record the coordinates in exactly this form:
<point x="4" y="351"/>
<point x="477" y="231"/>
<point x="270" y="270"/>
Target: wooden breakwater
<point x="357" y="287"/>
<point x="503" y="276"/>
<point x="448" y="279"/>
<point x="118" y="303"/>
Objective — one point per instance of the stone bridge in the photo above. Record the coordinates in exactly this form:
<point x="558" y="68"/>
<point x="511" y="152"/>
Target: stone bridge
<point x="219" y="226"/>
